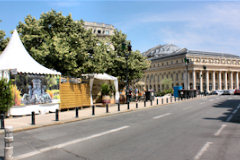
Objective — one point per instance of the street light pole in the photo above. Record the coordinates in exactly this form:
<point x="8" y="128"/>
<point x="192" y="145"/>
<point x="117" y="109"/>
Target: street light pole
<point x="126" y="56"/>
<point x="186" y="63"/>
<point x="204" y="67"/>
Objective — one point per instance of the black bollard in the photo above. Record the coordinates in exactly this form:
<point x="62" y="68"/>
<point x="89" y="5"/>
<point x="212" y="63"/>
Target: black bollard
<point x="33" y="118"/>
<point x="57" y="115"/>
<point x="151" y="103"/>
<point x="107" y="108"/>
<point x="2" y="121"/>
<point x="136" y="104"/>
<point x="93" y="110"/>
<point x="76" y="112"/>
<point x="157" y="101"/>
<point x="162" y="100"/>
<point x="175" y="99"/>
<point x="118" y="106"/>
<point x="144" y="103"/>
<point x="167" y="100"/>
<point x="128" y="105"/>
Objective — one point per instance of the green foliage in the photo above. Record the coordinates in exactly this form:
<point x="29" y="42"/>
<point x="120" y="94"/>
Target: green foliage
<point x="107" y="89"/>
<point x="162" y="93"/>
<point x="167" y="82"/>
<point x="60" y="43"/>
<point x="3" y="41"/>
<point x="118" y="66"/>
<point x="6" y="97"/>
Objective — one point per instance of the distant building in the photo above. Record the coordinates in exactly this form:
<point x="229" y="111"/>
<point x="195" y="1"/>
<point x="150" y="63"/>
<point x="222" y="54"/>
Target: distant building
<point x="205" y="71"/>
<point x="100" y="29"/>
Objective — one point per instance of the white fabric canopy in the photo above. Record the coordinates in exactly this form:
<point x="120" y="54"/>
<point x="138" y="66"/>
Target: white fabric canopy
<point x="103" y="76"/>
<point x="16" y="57"/>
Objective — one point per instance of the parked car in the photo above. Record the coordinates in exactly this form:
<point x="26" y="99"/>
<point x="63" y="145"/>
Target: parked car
<point x="217" y="92"/>
<point x="237" y="92"/>
<point x="228" y="92"/>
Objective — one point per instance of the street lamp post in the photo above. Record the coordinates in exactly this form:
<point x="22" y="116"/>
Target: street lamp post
<point x="186" y="63"/>
<point x="127" y="54"/>
<point x="205" y="92"/>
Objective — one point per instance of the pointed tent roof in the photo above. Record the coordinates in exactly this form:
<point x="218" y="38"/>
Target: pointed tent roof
<point x="15" y="56"/>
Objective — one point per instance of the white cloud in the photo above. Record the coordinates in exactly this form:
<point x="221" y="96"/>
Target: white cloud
<point x="213" y="27"/>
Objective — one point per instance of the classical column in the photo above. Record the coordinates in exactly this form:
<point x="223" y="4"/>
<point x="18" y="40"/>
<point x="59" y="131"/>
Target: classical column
<point x="194" y="79"/>
<point x="219" y="80"/>
<point x="188" y="82"/>
<point x="225" y="81"/>
<point x="237" y="83"/>
<point x="213" y="81"/>
<point x="231" y="80"/>
<point x="207" y="81"/>
<point x="201" y="82"/>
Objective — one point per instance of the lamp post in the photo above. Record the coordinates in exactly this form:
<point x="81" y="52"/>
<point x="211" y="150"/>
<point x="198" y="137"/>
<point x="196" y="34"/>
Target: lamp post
<point x="186" y="64"/>
<point x="127" y="54"/>
<point x="204" y="67"/>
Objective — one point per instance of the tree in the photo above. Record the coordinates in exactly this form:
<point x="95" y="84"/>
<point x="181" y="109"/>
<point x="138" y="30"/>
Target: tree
<point x="6" y="97"/>
<point x="167" y="82"/>
<point x="3" y="41"/>
<point x="60" y="43"/>
<point x="137" y="63"/>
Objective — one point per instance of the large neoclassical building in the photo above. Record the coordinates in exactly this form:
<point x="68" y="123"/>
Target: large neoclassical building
<point x="191" y="69"/>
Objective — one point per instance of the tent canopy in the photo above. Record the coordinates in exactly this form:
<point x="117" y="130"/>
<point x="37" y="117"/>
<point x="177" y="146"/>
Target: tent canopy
<point x="16" y="57"/>
<point x="102" y="76"/>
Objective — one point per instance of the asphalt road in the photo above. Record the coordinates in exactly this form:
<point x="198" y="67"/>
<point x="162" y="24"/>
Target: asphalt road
<point x="204" y="128"/>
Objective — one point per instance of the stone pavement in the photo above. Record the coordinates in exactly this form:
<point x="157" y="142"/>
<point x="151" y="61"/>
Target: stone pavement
<point x="24" y="122"/>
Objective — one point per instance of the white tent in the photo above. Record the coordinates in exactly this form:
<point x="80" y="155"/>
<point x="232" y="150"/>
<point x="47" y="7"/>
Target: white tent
<point x="103" y="76"/>
<point x="15" y="57"/>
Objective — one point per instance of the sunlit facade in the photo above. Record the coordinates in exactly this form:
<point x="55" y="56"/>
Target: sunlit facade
<point x="205" y="71"/>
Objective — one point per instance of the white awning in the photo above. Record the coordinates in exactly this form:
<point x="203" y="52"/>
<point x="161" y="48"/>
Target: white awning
<point x="100" y="76"/>
<point x="16" y="57"/>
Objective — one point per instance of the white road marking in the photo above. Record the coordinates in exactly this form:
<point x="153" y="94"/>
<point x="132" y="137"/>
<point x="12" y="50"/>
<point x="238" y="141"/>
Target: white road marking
<point x="220" y="130"/>
<point x="161" y="116"/>
<point x="30" y="154"/>
<point x="202" y="102"/>
<point x="203" y="149"/>
<point x="211" y="99"/>
<point x="229" y="118"/>
<point x="234" y="112"/>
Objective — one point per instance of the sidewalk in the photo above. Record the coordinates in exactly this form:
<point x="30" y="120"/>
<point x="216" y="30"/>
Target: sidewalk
<point x="24" y="122"/>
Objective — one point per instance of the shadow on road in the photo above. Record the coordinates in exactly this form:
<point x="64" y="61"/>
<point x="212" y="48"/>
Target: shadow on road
<point x="231" y="104"/>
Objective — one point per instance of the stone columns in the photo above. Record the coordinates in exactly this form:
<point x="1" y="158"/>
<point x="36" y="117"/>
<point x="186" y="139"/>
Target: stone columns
<point x="201" y="82"/>
<point x="194" y="79"/>
<point x="231" y="80"/>
<point x="225" y="81"/>
<point x="213" y="81"/>
<point x="237" y="83"/>
<point x="207" y="81"/>
<point x="219" y="80"/>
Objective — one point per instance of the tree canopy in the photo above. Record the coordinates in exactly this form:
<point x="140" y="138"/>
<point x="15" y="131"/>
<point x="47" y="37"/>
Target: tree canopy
<point x="3" y="41"/>
<point x="136" y="62"/>
<point x="63" y="44"/>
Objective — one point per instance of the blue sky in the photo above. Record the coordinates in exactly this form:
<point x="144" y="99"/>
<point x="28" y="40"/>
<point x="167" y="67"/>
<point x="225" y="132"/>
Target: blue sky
<point x="202" y="25"/>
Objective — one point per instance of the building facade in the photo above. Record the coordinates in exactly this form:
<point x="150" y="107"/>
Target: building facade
<point x="203" y="71"/>
<point x="100" y="29"/>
